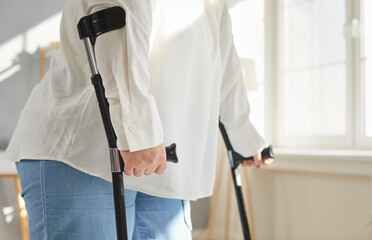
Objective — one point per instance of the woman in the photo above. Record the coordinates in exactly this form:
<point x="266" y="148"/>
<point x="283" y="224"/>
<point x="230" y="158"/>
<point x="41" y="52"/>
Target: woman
<point x="169" y="75"/>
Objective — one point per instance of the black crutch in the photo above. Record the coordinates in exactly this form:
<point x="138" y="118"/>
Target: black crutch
<point x="235" y="159"/>
<point x="89" y="28"/>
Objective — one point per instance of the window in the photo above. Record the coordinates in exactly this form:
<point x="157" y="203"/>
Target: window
<point x="323" y="73"/>
<point x="365" y="67"/>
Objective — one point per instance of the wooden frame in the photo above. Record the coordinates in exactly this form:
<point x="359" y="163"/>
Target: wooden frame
<point x="45" y="53"/>
<point x="21" y="205"/>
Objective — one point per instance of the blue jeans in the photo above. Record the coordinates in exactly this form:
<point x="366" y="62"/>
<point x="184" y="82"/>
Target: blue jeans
<point x="64" y="203"/>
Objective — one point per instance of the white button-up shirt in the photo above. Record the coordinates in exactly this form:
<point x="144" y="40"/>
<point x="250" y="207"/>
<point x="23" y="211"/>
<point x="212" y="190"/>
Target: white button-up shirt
<point x="169" y="75"/>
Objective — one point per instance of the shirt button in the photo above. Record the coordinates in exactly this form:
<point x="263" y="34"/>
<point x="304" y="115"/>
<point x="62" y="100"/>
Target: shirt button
<point x="132" y="127"/>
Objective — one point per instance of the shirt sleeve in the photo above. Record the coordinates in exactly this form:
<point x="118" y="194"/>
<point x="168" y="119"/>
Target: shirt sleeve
<point x="234" y="106"/>
<point x="122" y="59"/>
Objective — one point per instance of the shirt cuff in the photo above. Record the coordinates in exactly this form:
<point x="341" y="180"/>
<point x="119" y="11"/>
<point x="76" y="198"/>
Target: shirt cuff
<point x="117" y="124"/>
<point x="245" y="139"/>
<point x="137" y="125"/>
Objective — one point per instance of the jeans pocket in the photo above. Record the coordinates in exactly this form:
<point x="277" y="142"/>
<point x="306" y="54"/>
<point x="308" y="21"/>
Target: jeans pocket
<point x="187" y="213"/>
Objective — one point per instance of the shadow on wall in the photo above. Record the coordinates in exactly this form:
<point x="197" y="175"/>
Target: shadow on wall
<point x="19" y="66"/>
<point x="14" y="92"/>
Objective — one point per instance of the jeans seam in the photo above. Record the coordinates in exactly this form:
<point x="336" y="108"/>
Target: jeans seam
<point x="138" y="235"/>
<point x="186" y="216"/>
<point x="43" y="199"/>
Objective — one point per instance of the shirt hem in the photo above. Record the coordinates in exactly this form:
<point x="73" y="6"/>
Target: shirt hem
<point x="145" y="188"/>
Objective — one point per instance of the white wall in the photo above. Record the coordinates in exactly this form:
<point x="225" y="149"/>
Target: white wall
<point x="25" y="27"/>
<point x="10" y="229"/>
<point x="317" y="197"/>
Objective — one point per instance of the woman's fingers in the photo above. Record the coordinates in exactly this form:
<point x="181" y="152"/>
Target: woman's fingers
<point x="144" y="162"/>
<point x="251" y="163"/>
<point x="151" y="169"/>
<point x="268" y="161"/>
<point x="161" y="168"/>
<point x="248" y="163"/>
<point x="138" y="172"/>
<point x="128" y="170"/>
<point x="257" y="160"/>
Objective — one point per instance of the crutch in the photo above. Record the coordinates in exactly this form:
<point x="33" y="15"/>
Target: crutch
<point x="89" y="28"/>
<point x="235" y="159"/>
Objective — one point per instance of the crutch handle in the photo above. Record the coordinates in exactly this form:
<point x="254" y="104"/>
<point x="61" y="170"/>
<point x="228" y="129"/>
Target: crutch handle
<point x="266" y="153"/>
<point x="171" y="153"/>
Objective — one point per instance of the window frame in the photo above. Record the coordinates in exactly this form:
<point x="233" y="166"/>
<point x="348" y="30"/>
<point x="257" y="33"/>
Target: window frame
<point x="355" y="119"/>
<point x="362" y="141"/>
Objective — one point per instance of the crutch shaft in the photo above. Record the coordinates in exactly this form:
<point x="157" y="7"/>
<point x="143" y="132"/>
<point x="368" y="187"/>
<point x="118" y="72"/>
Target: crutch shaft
<point x="119" y="201"/>
<point x="240" y="200"/>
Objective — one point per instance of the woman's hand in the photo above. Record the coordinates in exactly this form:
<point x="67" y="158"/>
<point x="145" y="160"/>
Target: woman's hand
<point x="147" y="161"/>
<point x="258" y="161"/>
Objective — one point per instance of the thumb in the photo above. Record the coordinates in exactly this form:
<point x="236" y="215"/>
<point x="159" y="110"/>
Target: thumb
<point x="257" y="160"/>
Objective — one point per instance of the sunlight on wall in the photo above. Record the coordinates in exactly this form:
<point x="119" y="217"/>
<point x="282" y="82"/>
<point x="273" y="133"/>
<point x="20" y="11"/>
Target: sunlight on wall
<point x="43" y="34"/>
<point x="30" y="41"/>
<point x="9" y="50"/>
<point x="10" y="71"/>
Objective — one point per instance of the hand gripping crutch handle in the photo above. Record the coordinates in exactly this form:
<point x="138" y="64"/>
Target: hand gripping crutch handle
<point x="236" y="157"/>
<point x="266" y="153"/>
<point x="96" y="80"/>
